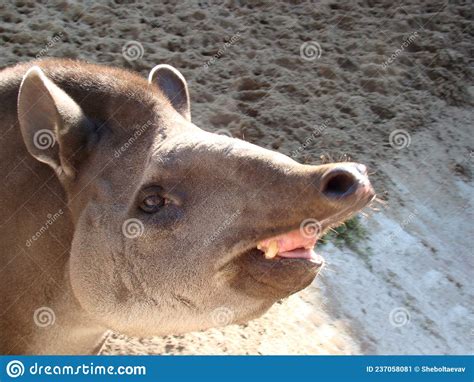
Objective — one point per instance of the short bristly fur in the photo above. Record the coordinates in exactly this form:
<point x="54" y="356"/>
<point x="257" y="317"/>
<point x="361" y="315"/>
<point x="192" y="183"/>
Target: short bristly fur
<point x="65" y="205"/>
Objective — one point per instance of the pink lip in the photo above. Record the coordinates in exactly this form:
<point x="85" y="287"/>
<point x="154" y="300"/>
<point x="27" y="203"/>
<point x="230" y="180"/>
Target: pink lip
<point x="290" y="240"/>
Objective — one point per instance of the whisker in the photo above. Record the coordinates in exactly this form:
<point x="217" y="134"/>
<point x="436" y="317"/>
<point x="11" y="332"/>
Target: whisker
<point x="329" y="269"/>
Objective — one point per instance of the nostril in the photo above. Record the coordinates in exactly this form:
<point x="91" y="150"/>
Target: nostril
<point x="338" y="183"/>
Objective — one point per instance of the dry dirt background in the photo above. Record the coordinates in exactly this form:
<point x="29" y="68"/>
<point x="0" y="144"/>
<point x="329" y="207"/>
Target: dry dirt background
<point x="408" y="287"/>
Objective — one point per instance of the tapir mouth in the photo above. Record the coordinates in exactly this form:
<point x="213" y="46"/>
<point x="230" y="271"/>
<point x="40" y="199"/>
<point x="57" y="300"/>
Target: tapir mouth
<point x="280" y="265"/>
<point x="295" y="244"/>
<point x="286" y="263"/>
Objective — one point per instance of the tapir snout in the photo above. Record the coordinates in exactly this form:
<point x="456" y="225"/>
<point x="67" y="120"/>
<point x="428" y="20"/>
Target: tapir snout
<point x="289" y="218"/>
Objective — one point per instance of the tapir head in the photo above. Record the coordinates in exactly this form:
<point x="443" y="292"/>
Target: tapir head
<point x="175" y="228"/>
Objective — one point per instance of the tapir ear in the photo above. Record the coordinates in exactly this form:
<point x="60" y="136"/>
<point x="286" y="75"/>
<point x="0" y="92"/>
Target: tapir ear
<point x="54" y="127"/>
<point x="173" y="85"/>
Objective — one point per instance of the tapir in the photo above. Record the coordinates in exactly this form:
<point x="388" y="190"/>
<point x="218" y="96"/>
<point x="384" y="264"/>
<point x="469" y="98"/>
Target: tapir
<point x="118" y="213"/>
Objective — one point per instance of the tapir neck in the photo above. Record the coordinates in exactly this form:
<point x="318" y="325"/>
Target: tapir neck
<point x="47" y="319"/>
<point x="73" y="332"/>
<point x="38" y="311"/>
<point x="64" y="329"/>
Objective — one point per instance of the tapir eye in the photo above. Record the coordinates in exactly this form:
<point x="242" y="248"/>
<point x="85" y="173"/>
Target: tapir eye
<point x="152" y="203"/>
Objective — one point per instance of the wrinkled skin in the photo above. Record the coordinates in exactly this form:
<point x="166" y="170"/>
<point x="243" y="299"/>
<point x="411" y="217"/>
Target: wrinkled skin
<point x="120" y="142"/>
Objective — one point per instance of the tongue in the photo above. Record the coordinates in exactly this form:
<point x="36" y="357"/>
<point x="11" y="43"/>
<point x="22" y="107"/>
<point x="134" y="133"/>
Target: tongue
<point x="299" y="253"/>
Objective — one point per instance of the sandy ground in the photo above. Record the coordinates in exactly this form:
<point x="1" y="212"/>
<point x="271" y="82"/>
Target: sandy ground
<point x="317" y="81"/>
